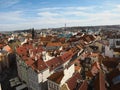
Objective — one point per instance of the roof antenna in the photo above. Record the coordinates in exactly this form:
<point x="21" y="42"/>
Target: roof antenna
<point x="65" y="26"/>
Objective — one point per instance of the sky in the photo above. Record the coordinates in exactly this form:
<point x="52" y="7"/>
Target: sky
<point x="38" y="14"/>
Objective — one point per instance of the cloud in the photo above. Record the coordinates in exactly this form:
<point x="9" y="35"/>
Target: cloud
<point x="67" y="8"/>
<point x="58" y="16"/>
<point x="47" y="14"/>
<point x="11" y="17"/>
<point x="8" y="3"/>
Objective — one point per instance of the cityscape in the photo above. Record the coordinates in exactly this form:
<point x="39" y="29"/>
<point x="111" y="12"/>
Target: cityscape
<point x="80" y="58"/>
<point x="65" y="45"/>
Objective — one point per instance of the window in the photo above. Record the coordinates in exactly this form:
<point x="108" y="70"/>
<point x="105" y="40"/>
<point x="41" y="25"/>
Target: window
<point x="117" y="42"/>
<point x="50" y="84"/>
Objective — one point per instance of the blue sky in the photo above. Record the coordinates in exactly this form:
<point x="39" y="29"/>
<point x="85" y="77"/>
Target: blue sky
<point x="25" y="14"/>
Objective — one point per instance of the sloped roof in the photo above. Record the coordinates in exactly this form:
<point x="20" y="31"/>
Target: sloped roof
<point x="56" y="77"/>
<point x="54" y="63"/>
<point x="66" y="56"/>
<point x="39" y="65"/>
<point x="72" y="82"/>
<point x="99" y="82"/>
<point x="51" y="44"/>
<point x="7" y="48"/>
<point x="1" y="46"/>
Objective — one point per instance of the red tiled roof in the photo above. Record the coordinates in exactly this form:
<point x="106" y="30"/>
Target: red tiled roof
<point x="22" y="51"/>
<point x="54" y="44"/>
<point x="84" y="85"/>
<point x="73" y="84"/>
<point x="80" y="47"/>
<point x="39" y="65"/>
<point x="29" y="62"/>
<point x="95" y="68"/>
<point x="99" y="83"/>
<point x="74" y="50"/>
<point x="82" y="42"/>
<point x="62" y="40"/>
<point x="56" y="77"/>
<point x="89" y="74"/>
<point x="92" y="37"/>
<point x="66" y="56"/>
<point x="7" y="48"/>
<point x="47" y="38"/>
<point x="88" y="38"/>
<point x="1" y="45"/>
<point x="54" y="63"/>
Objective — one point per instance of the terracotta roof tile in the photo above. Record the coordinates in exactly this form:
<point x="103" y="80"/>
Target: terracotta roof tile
<point x="56" y="77"/>
<point x="47" y="38"/>
<point x="7" y="48"/>
<point x="54" y="63"/>
<point x="66" y="56"/>
<point x="73" y="83"/>
<point x="99" y="83"/>
<point x="95" y="68"/>
<point x="39" y="65"/>
<point x="54" y="44"/>
<point x="84" y="86"/>
<point x="29" y="62"/>
<point x="89" y="74"/>
<point x="1" y="46"/>
<point x="62" y="40"/>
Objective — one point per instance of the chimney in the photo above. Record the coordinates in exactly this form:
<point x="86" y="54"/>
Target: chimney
<point x="36" y="58"/>
<point x="30" y="53"/>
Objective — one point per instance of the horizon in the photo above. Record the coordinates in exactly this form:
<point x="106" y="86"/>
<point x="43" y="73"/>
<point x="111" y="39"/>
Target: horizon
<point x="40" y="14"/>
<point x="60" y="27"/>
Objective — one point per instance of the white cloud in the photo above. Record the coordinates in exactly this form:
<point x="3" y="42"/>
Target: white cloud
<point x="68" y="8"/>
<point x="58" y="16"/>
<point x="8" y="3"/>
<point x="10" y="17"/>
<point x="47" y="14"/>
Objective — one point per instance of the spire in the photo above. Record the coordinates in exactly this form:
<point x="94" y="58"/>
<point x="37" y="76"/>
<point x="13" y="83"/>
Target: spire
<point x="33" y="33"/>
<point x="65" y="26"/>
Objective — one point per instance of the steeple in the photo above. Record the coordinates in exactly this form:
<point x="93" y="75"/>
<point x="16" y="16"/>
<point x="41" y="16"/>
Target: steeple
<point x="33" y="33"/>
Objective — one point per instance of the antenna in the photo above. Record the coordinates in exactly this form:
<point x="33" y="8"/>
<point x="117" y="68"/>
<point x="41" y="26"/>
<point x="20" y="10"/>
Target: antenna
<point x="65" y="26"/>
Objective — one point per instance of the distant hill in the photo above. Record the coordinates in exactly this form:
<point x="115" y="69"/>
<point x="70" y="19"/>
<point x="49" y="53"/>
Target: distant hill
<point x="76" y="28"/>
